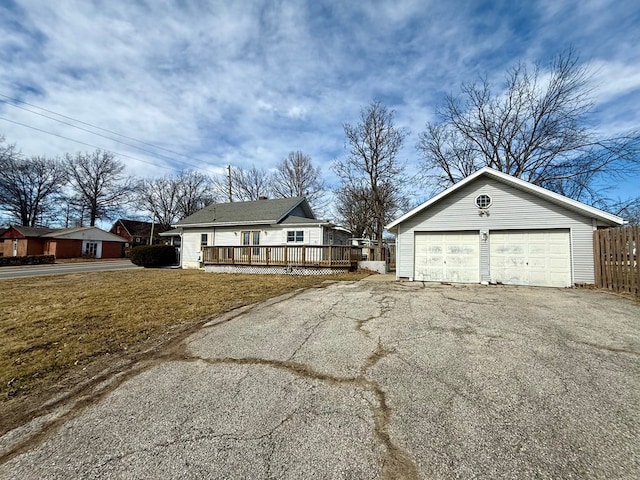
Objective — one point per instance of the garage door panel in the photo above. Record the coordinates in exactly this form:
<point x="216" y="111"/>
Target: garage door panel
<point x="531" y="257"/>
<point x="447" y="257"/>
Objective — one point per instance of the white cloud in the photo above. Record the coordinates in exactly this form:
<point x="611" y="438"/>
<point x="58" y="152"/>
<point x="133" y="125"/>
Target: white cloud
<point x="247" y="82"/>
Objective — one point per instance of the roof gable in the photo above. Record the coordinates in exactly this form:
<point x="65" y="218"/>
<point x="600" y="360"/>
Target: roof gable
<point x="245" y="213"/>
<point x="553" y="197"/>
<point x="86" y="233"/>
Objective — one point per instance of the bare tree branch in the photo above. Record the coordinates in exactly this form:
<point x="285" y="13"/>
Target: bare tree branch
<point x="371" y="166"/>
<point x="295" y="176"/>
<point x="98" y="182"/>
<point x="534" y="128"/>
<point x="29" y="187"/>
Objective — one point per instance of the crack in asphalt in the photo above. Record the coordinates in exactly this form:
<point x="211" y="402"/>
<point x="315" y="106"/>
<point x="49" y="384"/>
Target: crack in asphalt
<point x="313" y="329"/>
<point x="607" y="348"/>
<point x="396" y="463"/>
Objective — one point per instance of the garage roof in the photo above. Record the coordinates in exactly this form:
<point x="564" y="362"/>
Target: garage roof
<point x="556" y="198"/>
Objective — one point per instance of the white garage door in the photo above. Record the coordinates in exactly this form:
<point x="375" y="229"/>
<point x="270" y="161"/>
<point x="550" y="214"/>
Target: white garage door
<point x="447" y="257"/>
<point x="530" y="257"/>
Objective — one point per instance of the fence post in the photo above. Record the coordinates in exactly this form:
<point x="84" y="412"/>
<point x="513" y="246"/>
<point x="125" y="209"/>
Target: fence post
<point x="597" y="258"/>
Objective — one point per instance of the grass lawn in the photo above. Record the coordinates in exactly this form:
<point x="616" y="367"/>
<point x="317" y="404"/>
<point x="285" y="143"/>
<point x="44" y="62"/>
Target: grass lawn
<point x="55" y="328"/>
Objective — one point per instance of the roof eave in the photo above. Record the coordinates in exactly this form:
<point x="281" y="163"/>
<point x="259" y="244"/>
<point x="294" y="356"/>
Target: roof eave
<point x="222" y="224"/>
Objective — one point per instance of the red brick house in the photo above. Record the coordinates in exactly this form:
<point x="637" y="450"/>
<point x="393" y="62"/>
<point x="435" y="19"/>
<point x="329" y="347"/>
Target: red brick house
<point x="136" y="232"/>
<point x="20" y="241"/>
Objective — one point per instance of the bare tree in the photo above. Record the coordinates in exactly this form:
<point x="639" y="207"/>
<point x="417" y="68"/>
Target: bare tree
<point x="195" y="192"/>
<point x="628" y="209"/>
<point x="251" y="184"/>
<point x="353" y="208"/>
<point x="371" y="164"/>
<point x="295" y="176"/>
<point x="98" y="183"/>
<point x="29" y="186"/>
<point x="174" y="197"/>
<point x="534" y="128"/>
<point x="159" y="197"/>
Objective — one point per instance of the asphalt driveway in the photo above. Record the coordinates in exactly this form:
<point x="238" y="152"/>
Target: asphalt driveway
<point x="370" y="380"/>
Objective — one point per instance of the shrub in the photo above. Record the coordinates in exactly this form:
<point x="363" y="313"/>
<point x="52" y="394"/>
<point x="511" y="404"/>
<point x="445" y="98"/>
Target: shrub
<point x="27" y="260"/>
<point x="150" y="256"/>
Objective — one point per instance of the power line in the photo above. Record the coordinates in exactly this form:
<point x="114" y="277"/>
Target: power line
<point x="154" y="154"/>
<point x="94" y="126"/>
<point x="84" y="143"/>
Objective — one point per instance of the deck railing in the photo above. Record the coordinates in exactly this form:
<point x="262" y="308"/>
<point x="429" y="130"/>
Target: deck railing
<point x="285" y="255"/>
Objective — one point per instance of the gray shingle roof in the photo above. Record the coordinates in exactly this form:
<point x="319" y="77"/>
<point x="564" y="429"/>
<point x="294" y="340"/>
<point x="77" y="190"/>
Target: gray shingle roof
<point x="34" y="231"/>
<point x="257" y="212"/>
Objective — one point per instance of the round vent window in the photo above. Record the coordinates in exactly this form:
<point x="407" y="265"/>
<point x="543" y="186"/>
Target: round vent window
<point x="483" y="201"/>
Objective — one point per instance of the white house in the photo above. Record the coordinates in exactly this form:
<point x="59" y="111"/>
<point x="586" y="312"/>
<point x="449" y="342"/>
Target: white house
<point x="261" y="223"/>
<point x="492" y="227"/>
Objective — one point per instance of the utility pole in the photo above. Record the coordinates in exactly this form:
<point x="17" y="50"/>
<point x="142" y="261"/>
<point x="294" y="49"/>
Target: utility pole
<point x="229" y="183"/>
<point x="153" y="221"/>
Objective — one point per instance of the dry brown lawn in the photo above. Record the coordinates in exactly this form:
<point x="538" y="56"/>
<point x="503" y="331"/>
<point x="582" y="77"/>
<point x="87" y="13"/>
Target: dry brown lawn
<point x="55" y="328"/>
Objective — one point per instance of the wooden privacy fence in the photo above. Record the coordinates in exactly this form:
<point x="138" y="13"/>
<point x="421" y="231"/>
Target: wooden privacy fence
<point x="616" y="259"/>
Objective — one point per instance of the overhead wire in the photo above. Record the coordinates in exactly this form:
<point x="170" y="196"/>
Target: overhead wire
<point x="85" y="143"/>
<point x="154" y="154"/>
<point x="91" y="125"/>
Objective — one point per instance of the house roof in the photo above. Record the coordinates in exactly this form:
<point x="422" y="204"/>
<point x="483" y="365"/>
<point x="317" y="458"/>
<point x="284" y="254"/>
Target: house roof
<point x="170" y="233"/>
<point x="553" y="197"/>
<point x="136" y="228"/>
<point x="76" y="233"/>
<point x="85" y="233"/>
<point x="28" y="231"/>
<point x="247" y="213"/>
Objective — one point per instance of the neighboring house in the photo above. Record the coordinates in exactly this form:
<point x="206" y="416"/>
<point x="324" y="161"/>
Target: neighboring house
<point x="93" y="242"/>
<point x="2" y="232"/>
<point x="256" y="225"/>
<point x="136" y="232"/>
<point x="495" y="228"/>
<point x="171" y="237"/>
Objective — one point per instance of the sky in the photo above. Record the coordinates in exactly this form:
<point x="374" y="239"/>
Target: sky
<point x="205" y="84"/>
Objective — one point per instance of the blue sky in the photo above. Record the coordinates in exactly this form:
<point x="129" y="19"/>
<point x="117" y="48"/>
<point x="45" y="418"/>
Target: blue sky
<point x="246" y="82"/>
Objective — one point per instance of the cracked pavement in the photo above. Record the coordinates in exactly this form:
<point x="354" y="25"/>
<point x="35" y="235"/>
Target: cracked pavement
<point x="368" y="380"/>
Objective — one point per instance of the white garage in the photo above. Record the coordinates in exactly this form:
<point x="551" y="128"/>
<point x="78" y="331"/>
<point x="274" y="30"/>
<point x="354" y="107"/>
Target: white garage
<point x="448" y="257"/>
<point x="495" y="228"/>
<point x="530" y="257"/>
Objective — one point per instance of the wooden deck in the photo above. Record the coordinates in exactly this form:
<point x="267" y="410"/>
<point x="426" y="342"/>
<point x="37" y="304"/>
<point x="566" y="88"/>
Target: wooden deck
<point x="327" y="256"/>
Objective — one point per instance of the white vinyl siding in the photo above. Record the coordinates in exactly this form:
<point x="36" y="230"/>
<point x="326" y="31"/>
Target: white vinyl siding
<point x="511" y="208"/>
<point x="531" y="257"/>
<point x="447" y="257"/>
<point x="190" y="249"/>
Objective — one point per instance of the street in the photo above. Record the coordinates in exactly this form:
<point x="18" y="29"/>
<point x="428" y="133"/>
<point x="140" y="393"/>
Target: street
<point x="61" y="268"/>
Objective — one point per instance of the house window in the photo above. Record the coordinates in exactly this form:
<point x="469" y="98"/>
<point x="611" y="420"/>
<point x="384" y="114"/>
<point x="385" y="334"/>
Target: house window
<point x="91" y="249"/>
<point x="251" y="238"/>
<point x="204" y="239"/>
<point x="483" y="201"/>
<point x="295" y="236"/>
<point x="118" y="229"/>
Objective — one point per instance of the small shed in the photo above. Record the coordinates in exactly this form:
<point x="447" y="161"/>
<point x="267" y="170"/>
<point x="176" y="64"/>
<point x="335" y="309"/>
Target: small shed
<point x="494" y="228"/>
